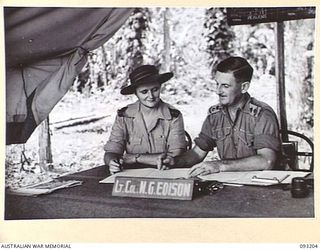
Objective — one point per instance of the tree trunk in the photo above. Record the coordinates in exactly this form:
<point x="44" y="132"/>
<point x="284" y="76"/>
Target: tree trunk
<point x="166" y="41"/>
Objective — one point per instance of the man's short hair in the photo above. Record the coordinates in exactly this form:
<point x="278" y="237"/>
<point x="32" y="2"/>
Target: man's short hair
<point x="239" y="66"/>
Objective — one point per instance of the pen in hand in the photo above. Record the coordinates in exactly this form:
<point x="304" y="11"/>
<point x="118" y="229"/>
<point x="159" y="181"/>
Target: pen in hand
<point x="115" y="166"/>
<point x="160" y="162"/>
<point x="161" y="165"/>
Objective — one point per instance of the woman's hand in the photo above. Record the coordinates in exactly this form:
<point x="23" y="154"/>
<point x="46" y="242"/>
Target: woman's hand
<point x="129" y="159"/>
<point x="166" y="162"/>
<point x="206" y="167"/>
<point x="160" y="162"/>
<point x="115" y="165"/>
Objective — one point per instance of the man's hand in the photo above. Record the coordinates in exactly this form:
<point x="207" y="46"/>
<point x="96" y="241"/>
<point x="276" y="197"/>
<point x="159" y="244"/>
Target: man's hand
<point x="115" y="165"/>
<point x="206" y="167"/>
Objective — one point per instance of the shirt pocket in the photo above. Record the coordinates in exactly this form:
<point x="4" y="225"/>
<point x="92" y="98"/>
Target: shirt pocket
<point x="246" y="138"/>
<point x="135" y="146"/>
<point x="160" y="143"/>
<point x="220" y="134"/>
<point x="135" y="141"/>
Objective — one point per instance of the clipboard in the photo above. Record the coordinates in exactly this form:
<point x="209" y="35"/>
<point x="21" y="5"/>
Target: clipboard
<point x="273" y="180"/>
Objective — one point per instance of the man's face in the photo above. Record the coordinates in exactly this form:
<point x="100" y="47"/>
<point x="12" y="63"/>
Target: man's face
<point x="228" y="90"/>
<point x="149" y="94"/>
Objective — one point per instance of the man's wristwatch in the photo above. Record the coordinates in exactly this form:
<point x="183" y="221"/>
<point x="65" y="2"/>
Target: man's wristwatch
<point x="136" y="158"/>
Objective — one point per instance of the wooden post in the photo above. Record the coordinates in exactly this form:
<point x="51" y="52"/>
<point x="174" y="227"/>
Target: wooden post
<point x="280" y="78"/>
<point x="45" y="155"/>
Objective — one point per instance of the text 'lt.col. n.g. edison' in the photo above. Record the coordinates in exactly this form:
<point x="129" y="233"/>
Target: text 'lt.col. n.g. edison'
<point x="177" y="189"/>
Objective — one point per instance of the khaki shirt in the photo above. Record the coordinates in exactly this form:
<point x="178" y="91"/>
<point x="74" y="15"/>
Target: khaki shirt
<point x="129" y="133"/>
<point x="255" y="127"/>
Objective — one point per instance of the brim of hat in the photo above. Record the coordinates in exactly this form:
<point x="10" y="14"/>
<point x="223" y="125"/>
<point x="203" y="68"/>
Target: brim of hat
<point x="128" y="90"/>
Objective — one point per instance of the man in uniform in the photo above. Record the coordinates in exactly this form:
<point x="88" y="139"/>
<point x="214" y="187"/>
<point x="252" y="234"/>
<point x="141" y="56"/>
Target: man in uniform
<point x="244" y="130"/>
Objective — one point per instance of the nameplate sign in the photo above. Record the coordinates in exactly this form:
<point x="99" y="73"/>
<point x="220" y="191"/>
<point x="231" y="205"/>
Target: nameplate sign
<point x="238" y="16"/>
<point x="175" y="189"/>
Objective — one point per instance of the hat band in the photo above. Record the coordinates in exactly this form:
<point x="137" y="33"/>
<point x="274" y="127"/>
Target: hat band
<point x="142" y="75"/>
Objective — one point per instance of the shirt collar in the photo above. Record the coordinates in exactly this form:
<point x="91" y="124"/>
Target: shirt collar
<point x="162" y="111"/>
<point x="242" y="105"/>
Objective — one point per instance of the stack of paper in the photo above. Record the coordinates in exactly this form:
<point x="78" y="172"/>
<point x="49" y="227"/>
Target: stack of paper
<point x="44" y="188"/>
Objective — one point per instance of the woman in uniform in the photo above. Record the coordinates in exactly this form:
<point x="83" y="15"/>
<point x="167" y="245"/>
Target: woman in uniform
<point x="148" y="130"/>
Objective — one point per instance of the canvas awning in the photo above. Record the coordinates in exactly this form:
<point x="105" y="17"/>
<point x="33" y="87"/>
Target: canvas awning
<point x="45" y="50"/>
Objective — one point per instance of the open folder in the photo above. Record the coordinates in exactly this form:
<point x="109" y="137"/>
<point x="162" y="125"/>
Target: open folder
<point x="260" y="178"/>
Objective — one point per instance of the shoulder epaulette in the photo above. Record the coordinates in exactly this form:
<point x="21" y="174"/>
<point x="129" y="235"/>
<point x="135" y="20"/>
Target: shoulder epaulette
<point x="122" y="111"/>
<point x="254" y="109"/>
<point x="214" y="109"/>
<point x="174" y="112"/>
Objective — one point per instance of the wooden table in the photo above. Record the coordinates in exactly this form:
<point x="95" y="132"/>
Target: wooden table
<point x="94" y="200"/>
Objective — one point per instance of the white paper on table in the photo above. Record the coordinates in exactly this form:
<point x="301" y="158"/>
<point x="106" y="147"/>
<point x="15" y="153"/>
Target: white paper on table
<point x="246" y="178"/>
<point x="45" y="187"/>
<point x="174" y="173"/>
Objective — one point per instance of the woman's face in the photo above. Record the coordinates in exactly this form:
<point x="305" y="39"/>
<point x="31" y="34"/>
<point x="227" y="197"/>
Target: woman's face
<point x="149" y="94"/>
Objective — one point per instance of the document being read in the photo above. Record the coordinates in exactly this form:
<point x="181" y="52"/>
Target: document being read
<point x="174" y="173"/>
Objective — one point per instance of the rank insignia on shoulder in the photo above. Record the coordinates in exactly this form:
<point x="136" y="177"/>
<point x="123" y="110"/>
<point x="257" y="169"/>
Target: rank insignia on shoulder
<point x="122" y="111"/>
<point x="174" y="112"/>
<point x="214" y="109"/>
<point x="254" y="110"/>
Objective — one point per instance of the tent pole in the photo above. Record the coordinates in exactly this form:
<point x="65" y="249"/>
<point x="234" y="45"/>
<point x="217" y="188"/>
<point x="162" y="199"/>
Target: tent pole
<point x="280" y="79"/>
<point x="45" y="155"/>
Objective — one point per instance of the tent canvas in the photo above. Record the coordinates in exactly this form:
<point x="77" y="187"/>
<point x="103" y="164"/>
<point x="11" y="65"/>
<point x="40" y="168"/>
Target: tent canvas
<point x="45" y="49"/>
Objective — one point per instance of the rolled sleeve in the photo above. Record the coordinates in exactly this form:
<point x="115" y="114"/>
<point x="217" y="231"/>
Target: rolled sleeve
<point x="176" y="139"/>
<point x="267" y="132"/>
<point x="266" y="141"/>
<point x="204" y="140"/>
<point x="116" y="143"/>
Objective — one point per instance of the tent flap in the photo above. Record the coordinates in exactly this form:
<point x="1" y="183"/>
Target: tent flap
<point x="46" y="48"/>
